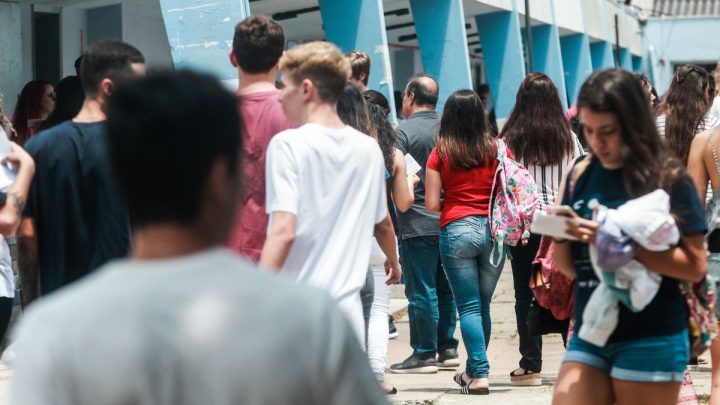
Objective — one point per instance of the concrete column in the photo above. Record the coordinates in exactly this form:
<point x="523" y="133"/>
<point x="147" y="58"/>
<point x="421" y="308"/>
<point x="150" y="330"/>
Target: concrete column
<point x="547" y="57"/>
<point x="602" y="55"/>
<point x="359" y="25"/>
<point x="200" y="34"/>
<point x="504" y="62"/>
<point x="626" y="59"/>
<point x="440" y="28"/>
<point x="577" y="62"/>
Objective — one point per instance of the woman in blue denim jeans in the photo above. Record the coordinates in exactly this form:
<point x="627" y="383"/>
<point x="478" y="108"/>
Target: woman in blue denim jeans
<point x="458" y="181"/>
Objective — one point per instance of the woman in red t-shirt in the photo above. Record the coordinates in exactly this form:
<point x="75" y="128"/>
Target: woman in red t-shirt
<point x="458" y="182"/>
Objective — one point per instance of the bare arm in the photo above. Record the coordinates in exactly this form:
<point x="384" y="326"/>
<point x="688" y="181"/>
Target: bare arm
<point x="402" y="186"/>
<point x="433" y="189"/>
<point x="17" y="193"/>
<point x="385" y="235"/>
<point x="28" y="260"/>
<point x="279" y="240"/>
<point x="696" y="164"/>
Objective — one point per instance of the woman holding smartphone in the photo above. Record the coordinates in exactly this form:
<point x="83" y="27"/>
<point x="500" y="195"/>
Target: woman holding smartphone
<point x="644" y="360"/>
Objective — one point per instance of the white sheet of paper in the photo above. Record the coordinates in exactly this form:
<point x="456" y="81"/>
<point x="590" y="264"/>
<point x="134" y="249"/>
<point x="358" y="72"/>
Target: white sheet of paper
<point x="551" y="225"/>
<point x="413" y="167"/>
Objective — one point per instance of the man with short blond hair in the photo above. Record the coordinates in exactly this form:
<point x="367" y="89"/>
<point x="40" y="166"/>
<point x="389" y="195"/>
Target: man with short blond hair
<point x="325" y="186"/>
<point x="360" y="65"/>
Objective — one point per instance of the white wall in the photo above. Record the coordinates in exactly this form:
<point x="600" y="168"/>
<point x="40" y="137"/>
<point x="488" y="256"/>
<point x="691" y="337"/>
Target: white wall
<point x="11" y="60"/>
<point x="569" y="15"/>
<point x="143" y="27"/>
<point x="73" y="37"/>
<point x="595" y="22"/>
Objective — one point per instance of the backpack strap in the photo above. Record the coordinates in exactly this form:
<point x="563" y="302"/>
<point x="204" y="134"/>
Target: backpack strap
<point x="498" y="249"/>
<point x="578" y="169"/>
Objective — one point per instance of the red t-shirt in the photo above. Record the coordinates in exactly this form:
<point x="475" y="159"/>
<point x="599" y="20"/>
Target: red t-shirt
<point x="466" y="192"/>
<point x="262" y="117"/>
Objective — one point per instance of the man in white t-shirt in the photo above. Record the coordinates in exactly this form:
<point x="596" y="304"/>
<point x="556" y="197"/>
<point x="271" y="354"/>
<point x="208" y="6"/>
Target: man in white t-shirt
<point x="184" y="321"/>
<point x="325" y="186"/>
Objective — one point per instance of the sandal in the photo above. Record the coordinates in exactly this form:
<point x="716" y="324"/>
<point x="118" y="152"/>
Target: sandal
<point x="458" y="378"/>
<point x="466" y="390"/>
<point x="525" y="379"/>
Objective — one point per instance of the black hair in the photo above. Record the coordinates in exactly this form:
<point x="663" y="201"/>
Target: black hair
<point x="165" y="132"/>
<point x="353" y="111"/>
<point x="465" y="140"/>
<point x="379" y="108"/>
<point x="423" y="95"/>
<point x="646" y="165"/>
<point x="69" y="101"/>
<point x="107" y="59"/>
<point x="77" y="64"/>
<point x="258" y="44"/>
<point x="537" y="131"/>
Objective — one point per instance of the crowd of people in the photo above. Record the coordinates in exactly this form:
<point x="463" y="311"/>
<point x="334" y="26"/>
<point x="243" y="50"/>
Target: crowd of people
<point x="182" y="244"/>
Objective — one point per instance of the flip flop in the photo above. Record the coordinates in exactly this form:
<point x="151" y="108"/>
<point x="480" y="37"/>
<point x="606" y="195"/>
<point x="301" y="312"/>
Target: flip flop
<point x="466" y="390"/>
<point x="458" y="378"/>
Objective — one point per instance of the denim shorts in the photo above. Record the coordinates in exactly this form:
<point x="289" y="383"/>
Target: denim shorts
<point x="653" y="359"/>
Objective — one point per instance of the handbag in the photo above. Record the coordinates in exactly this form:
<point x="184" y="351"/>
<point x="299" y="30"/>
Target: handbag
<point x="702" y="322"/>
<point x="552" y="289"/>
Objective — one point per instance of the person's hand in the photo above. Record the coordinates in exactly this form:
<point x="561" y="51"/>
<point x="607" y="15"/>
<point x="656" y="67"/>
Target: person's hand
<point x="19" y="156"/>
<point x="413" y="181"/>
<point x="583" y="229"/>
<point x="393" y="271"/>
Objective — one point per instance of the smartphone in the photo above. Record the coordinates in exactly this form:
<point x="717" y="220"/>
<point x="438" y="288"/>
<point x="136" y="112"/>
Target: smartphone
<point x="551" y="225"/>
<point x="561" y="211"/>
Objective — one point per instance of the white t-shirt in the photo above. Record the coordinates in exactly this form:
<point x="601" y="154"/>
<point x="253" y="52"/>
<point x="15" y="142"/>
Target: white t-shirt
<point x="333" y="181"/>
<point x="715" y="108"/>
<point x="203" y="329"/>
<point x="709" y="122"/>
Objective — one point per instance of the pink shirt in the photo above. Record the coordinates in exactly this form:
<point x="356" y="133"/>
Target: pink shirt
<point x="262" y="118"/>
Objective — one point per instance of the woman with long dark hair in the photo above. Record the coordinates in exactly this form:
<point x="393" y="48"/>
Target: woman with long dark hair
<point x="371" y="119"/>
<point x="683" y="112"/>
<point x="538" y="134"/>
<point x="644" y="359"/>
<point x="36" y="102"/>
<point x="69" y="100"/>
<point x="458" y="183"/>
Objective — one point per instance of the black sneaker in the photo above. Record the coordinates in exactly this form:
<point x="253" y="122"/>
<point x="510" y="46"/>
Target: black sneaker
<point x="393" y="330"/>
<point x="448" y="358"/>
<point x="415" y="365"/>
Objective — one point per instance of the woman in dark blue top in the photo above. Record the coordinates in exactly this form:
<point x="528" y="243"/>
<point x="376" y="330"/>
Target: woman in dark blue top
<point x="644" y="360"/>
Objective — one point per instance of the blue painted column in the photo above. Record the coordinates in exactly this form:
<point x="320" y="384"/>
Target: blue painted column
<point x="200" y="34"/>
<point x="637" y="64"/>
<point x="504" y="61"/>
<point x="602" y="55"/>
<point x="547" y="57"/>
<point x="359" y="25"/>
<point x="576" y="61"/>
<point x="440" y="28"/>
<point x="626" y="59"/>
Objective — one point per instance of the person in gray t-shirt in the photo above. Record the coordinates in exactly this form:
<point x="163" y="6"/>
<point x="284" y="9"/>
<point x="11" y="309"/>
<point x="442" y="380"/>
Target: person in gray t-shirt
<point x="431" y="306"/>
<point x="184" y="321"/>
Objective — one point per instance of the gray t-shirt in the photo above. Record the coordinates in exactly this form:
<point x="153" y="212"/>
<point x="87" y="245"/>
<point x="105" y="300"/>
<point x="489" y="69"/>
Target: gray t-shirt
<point x="202" y="329"/>
<point x="417" y="136"/>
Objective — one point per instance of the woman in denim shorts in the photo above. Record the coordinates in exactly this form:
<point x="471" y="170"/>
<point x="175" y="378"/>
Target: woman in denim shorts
<point x="644" y="360"/>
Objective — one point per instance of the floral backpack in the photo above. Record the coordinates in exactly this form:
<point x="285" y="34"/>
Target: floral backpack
<point x="513" y="200"/>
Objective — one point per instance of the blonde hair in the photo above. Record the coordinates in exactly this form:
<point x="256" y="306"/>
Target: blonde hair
<point x="716" y="76"/>
<point x="320" y="62"/>
<point x="359" y="63"/>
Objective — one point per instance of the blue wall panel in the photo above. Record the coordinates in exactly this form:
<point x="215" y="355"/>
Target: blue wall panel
<point x="547" y="57"/>
<point x="576" y="61"/>
<point x="602" y="55"/>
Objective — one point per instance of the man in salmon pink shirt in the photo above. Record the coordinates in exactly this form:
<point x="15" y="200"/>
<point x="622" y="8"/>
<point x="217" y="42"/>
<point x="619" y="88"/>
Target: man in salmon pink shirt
<point x="258" y="44"/>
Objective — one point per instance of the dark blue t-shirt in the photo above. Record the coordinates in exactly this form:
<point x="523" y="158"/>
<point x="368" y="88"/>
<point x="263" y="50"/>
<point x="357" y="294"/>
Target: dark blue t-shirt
<point x="667" y="312"/>
<point x="81" y="220"/>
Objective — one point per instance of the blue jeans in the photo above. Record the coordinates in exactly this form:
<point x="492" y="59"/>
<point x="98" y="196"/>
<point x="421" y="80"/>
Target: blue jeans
<point x="431" y="307"/>
<point x="465" y="247"/>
